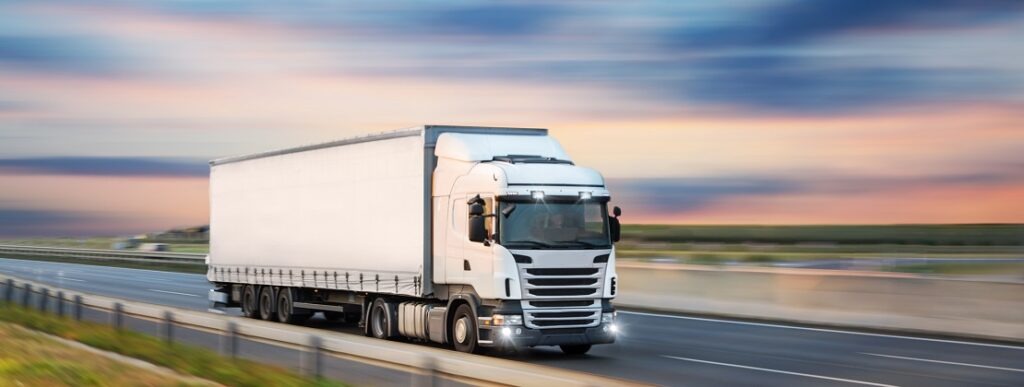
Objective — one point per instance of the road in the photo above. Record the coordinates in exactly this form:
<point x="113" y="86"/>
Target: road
<point x="660" y="349"/>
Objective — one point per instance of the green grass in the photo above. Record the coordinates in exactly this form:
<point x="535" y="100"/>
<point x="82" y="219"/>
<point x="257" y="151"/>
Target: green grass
<point x="186" y="359"/>
<point x="33" y="359"/>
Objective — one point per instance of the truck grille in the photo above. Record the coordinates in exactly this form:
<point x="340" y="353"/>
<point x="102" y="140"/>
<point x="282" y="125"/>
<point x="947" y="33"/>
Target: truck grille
<point x="561" y="298"/>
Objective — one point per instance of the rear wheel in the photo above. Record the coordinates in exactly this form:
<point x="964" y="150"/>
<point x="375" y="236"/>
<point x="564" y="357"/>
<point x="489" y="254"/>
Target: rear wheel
<point x="286" y="309"/>
<point x="267" y="303"/>
<point x="379" y="321"/>
<point x="575" y="350"/>
<point x="464" y="329"/>
<point x="250" y="308"/>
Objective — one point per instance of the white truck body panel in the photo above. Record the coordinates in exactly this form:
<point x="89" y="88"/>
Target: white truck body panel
<point x="355" y="209"/>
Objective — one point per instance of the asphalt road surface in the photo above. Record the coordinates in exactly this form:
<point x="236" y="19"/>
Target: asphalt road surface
<point x="657" y="348"/>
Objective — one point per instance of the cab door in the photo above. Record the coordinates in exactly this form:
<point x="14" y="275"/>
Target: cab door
<point x="455" y="238"/>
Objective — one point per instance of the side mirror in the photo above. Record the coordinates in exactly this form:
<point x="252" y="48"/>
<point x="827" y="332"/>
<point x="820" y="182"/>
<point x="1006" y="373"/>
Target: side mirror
<point x="477" y="228"/>
<point x="614" y="227"/>
<point x="476" y="209"/>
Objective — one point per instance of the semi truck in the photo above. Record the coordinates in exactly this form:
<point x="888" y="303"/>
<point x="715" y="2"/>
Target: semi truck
<point x="472" y="237"/>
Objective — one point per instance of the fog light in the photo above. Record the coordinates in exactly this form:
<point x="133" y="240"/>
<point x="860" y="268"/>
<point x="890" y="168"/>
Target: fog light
<point x="506" y="332"/>
<point x="614" y="328"/>
<point x="537" y="195"/>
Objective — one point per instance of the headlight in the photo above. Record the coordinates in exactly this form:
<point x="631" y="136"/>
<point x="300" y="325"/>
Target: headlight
<point x="511" y="319"/>
<point x="607" y="318"/>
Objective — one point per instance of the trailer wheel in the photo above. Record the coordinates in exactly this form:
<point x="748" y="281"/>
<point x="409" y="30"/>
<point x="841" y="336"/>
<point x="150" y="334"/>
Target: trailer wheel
<point x="286" y="309"/>
<point x="380" y="322"/>
<point x="464" y="329"/>
<point x="267" y="303"/>
<point x="575" y="350"/>
<point x="250" y="307"/>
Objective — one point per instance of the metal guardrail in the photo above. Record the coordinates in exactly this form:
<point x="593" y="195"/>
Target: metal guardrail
<point x="425" y="363"/>
<point x="116" y="255"/>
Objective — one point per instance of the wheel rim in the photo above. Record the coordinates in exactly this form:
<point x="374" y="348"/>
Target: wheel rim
<point x="462" y="330"/>
<point x="266" y="304"/>
<point x="282" y="309"/>
<point x="378" y="322"/>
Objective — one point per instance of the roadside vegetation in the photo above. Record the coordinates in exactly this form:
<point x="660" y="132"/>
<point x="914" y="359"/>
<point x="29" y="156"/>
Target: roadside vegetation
<point x="30" y="359"/>
<point x="185" y="359"/>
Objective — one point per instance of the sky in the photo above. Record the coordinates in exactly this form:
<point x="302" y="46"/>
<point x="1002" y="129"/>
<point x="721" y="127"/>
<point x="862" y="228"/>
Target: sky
<point x="696" y="112"/>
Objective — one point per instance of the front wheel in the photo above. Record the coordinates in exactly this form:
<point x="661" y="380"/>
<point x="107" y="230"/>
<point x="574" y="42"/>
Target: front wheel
<point x="464" y="330"/>
<point x="575" y="350"/>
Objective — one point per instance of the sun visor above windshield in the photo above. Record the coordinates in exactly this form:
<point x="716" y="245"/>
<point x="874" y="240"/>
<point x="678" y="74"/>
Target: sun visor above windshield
<point x="481" y="147"/>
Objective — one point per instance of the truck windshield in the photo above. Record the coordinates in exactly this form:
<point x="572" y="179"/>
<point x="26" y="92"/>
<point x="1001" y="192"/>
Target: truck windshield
<point x="553" y="225"/>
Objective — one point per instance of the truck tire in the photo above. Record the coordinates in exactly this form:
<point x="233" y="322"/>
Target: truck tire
<point x="267" y="303"/>
<point x="575" y="350"/>
<point x="286" y="309"/>
<point x="464" y="330"/>
<point x="250" y="302"/>
<point x="379" y="321"/>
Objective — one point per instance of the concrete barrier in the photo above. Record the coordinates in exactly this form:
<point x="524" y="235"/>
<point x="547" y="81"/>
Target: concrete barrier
<point x="888" y="301"/>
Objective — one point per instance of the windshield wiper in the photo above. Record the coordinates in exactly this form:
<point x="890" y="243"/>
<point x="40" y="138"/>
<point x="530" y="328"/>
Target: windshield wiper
<point x="583" y="243"/>
<point x="532" y="244"/>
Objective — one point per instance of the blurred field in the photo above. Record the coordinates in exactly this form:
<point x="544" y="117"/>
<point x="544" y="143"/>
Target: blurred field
<point x="936" y="249"/>
<point x="35" y="360"/>
<point x="100" y="243"/>
<point x="925" y="235"/>
<point x="186" y="359"/>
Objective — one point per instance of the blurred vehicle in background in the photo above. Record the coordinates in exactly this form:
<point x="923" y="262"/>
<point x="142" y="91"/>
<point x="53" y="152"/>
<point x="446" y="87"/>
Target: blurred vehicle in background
<point x="470" y="236"/>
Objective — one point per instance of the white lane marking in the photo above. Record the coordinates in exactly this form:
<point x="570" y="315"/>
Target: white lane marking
<point x="170" y="292"/>
<point x="943" y="362"/>
<point x="826" y="330"/>
<point x="70" y="279"/>
<point x="780" y="371"/>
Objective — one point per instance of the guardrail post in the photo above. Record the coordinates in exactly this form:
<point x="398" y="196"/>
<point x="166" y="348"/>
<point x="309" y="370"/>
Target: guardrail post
<point x="77" y="309"/>
<point x="44" y="296"/>
<point x="309" y="360"/>
<point x="428" y="377"/>
<point x="229" y="340"/>
<point x="117" y="316"/>
<point x="27" y="295"/>
<point x="9" y="294"/>
<point x="167" y="327"/>
<point x="60" y="303"/>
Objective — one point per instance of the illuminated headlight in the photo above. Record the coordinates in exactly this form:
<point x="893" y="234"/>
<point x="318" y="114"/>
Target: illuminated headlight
<point x="585" y="195"/>
<point x="512" y="319"/>
<point x="537" y="195"/>
<point x="607" y="318"/>
<point x="506" y="332"/>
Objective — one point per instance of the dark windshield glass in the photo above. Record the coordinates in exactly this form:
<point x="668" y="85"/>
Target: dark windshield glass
<point x="540" y="225"/>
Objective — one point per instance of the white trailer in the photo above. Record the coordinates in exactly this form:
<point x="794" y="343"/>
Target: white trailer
<point x="473" y="236"/>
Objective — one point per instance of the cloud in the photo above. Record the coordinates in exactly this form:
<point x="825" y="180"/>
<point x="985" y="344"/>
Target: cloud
<point x="684" y="195"/>
<point x="32" y="222"/>
<point x="59" y="54"/>
<point x="827" y="85"/>
<point x="494" y="19"/>
<point x="804" y="20"/>
<point x="106" y="166"/>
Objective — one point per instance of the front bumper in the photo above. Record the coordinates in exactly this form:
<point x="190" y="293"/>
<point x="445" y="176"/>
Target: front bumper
<point x="521" y="336"/>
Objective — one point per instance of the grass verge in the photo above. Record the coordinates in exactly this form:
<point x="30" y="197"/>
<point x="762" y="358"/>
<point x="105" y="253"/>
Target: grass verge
<point x="186" y="359"/>
<point x="38" y="360"/>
